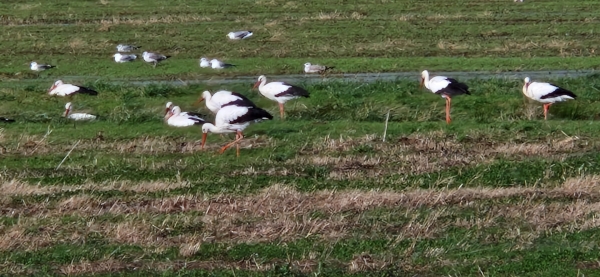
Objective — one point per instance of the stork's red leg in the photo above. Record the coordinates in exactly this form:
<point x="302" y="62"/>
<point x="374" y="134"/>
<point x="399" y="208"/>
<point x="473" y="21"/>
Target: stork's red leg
<point x="239" y="136"/>
<point x="448" y="103"/>
<point x="281" y="112"/>
<point x="546" y="108"/>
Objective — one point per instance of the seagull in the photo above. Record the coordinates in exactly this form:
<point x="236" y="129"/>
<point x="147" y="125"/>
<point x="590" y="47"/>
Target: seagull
<point x="123" y="58"/>
<point x="216" y="64"/>
<point x="154" y="57"/>
<point x="40" y="67"/>
<point x="77" y="116"/>
<point x="176" y="118"/>
<point x="445" y="87"/>
<point x="224" y="98"/>
<point x="234" y="119"/>
<point x="204" y="62"/>
<point x="546" y="93"/>
<point x="61" y="89"/>
<point x="316" y="68"/>
<point x="239" y="35"/>
<point x="126" y="48"/>
<point x="279" y="91"/>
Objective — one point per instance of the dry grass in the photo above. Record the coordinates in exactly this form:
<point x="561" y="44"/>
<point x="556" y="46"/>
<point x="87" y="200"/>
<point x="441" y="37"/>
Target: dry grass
<point x="280" y="213"/>
<point x="445" y="45"/>
<point x="390" y="44"/>
<point x="29" y="145"/>
<point x="417" y="154"/>
<point x="108" y="265"/>
<point x="19" y="188"/>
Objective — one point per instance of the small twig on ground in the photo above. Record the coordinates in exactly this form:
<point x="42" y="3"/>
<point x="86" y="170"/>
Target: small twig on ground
<point x="387" y="118"/>
<point x="63" y="160"/>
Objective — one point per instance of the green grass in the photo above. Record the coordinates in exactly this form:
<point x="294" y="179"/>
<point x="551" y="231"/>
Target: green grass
<point x="103" y="211"/>
<point x="499" y="192"/>
<point x="358" y="36"/>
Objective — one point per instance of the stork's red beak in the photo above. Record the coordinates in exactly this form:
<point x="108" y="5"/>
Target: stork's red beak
<point x="422" y="82"/>
<point x="168" y="115"/>
<point x="203" y="140"/>
<point x="198" y="101"/>
<point x="167" y="111"/>
<point x="53" y="86"/>
<point x="256" y="84"/>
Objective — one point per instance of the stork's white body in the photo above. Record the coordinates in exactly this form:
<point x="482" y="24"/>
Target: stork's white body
<point x="279" y="91"/>
<point x="234" y="119"/>
<point x="61" y="89"/>
<point x="445" y="87"/>
<point x="546" y="93"/>
<point x="77" y="116"/>
<point x="176" y="118"/>
<point x="223" y="97"/>
<point x="540" y="91"/>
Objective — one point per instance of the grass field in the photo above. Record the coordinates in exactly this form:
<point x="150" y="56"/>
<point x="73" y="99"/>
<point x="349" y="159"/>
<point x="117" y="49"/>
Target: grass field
<point x="499" y="192"/>
<point x="355" y="36"/>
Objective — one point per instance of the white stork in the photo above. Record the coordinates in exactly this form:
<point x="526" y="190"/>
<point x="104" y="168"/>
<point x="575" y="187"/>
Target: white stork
<point x="279" y="91"/>
<point x="445" y="87"/>
<point x="77" y="116"/>
<point x="61" y="89"/>
<point x="224" y="98"/>
<point x="176" y="118"/>
<point x="40" y="67"/>
<point x="154" y="58"/>
<point x="170" y="106"/>
<point x="546" y="93"/>
<point x="123" y="58"/>
<point x="234" y="119"/>
<point x="216" y="64"/>
<point x="239" y="35"/>
<point x="316" y="68"/>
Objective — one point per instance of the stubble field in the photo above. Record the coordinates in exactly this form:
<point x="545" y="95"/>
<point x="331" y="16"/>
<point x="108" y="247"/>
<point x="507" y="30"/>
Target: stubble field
<point x="499" y="192"/>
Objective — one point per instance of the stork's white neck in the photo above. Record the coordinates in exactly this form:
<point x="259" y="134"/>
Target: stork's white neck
<point x="209" y="127"/>
<point x="425" y="76"/>
<point x="206" y="95"/>
<point x="263" y="82"/>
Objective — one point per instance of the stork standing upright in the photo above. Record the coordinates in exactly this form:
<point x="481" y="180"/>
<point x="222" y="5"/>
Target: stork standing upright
<point x="234" y="119"/>
<point x="546" y="93"/>
<point x="445" y="87"/>
<point x="224" y="98"/>
<point x="280" y="92"/>
<point x="61" y="89"/>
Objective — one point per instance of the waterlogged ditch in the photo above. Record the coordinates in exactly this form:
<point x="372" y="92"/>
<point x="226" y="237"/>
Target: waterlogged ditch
<point x="305" y="78"/>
